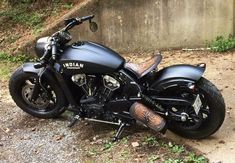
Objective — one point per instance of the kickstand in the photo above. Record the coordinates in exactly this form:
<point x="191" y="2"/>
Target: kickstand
<point x="74" y="120"/>
<point x="119" y="131"/>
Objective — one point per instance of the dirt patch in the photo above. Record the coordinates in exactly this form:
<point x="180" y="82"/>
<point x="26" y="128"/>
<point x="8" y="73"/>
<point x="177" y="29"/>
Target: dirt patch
<point x="138" y="145"/>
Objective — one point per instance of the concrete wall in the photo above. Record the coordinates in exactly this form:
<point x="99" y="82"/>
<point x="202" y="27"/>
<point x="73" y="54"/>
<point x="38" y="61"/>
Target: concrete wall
<point x="147" y="25"/>
<point x="134" y="25"/>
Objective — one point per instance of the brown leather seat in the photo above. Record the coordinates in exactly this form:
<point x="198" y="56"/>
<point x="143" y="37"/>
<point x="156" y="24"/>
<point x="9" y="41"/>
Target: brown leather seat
<point x="145" y="67"/>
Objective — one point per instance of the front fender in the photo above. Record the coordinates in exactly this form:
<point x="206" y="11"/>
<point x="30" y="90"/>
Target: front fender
<point x="29" y="67"/>
<point x="48" y="74"/>
<point x="179" y="73"/>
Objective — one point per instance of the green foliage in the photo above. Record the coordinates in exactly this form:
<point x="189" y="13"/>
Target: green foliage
<point x="150" y="140"/>
<point x="4" y="71"/>
<point x="108" y="145"/>
<point x="125" y="154"/>
<point x="21" y="16"/>
<point x="153" y="158"/>
<point x="196" y="159"/>
<point x="176" y="148"/>
<point x="11" y="58"/>
<point x="93" y="152"/>
<point x="173" y="161"/>
<point x="37" y="29"/>
<point x="68" y="5"/>
<point x="18" y="2"/>
<point x="12" y="39"/>
<point x="222" y="44"/>
<point x="124" y="140"/>
<point x="192" y="159"/>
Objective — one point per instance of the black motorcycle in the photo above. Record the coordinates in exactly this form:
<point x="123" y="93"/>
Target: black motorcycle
<point x="96" y="84"/>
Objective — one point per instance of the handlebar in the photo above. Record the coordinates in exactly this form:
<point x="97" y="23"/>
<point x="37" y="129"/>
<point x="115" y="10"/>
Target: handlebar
<point x="53" y="44"/>
<point x="77" y="21"/>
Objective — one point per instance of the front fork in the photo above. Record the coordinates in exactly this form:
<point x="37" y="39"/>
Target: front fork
<point x="35" y="91"/>
<point x="38" y="85"/>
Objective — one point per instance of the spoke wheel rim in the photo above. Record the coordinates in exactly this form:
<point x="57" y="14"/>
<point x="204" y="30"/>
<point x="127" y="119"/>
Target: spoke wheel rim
<point x="44" y="103"/>
<point x="194" y="121"/>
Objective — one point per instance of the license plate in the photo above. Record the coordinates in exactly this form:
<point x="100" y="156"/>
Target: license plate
<point x="197" y="104"/>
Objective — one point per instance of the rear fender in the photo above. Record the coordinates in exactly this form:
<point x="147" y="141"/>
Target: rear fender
<point x="178" y="74"/>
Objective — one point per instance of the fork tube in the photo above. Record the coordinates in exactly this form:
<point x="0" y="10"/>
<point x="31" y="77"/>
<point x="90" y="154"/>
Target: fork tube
<point x="66" y="90"/>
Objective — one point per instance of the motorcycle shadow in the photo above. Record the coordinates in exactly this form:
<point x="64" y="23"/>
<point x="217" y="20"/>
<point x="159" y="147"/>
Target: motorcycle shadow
<point x="93" y="130"/>
<point x="85" y="130"/>
<point x="27" y="121"/>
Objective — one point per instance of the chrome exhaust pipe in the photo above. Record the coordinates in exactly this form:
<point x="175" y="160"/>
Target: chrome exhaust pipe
<point x="143" y="114"/>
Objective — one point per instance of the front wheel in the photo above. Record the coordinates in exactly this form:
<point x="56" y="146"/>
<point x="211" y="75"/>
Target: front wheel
<point x="49" y="102"/>
<point x="210" y="116"/>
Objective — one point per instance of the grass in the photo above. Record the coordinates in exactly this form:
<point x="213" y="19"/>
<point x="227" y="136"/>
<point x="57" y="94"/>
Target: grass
<point x="153" y="158"/>
<point x="6" y="69"/>
<point x="150" y="140"/>
<point x="151" y="149"/>
<point x="68" y="5"/>
<point x="25" y="15"/>
<point x="20" y="15"/>
<point x="12" y="39"/>
<point x="108" y="145"/>
<point x="37" y="29"/>
<point x="176" y="148"/>
<point x="20" y="58"/>
<point x="93" y="152"/>
<point x="222" y="44"/>
<point x="9" y="63"/>
<point x="196" y="159"/>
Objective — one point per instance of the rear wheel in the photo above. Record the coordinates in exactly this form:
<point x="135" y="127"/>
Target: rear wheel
<point x="49" y="102"/>
<point x="209" y="117"/>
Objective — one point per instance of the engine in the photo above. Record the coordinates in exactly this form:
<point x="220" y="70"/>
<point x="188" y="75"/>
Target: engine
<point x="90" y="84"/>
<point x="87" y="83"/>
<point x="98" y="90"/>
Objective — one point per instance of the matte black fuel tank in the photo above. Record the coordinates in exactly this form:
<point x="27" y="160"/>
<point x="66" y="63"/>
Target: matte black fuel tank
<point x="90" y="58"/>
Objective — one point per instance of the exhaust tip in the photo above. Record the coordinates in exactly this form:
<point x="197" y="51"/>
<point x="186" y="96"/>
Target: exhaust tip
<point x="143" y="114"/>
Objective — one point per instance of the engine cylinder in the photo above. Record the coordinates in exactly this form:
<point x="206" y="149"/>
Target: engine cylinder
<point x="143" y="114"/>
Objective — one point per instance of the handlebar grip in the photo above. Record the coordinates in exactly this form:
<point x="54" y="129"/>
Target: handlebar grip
<point x="53" y="50"/>
<point x="45" y="55"/>
<point x="87" y="17"/>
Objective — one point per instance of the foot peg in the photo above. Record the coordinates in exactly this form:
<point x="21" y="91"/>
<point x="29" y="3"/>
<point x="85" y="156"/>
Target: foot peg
<point x="74" y="120"/>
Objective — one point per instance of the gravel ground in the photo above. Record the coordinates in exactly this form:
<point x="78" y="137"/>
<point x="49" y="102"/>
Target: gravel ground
<point x="27" y="139"/>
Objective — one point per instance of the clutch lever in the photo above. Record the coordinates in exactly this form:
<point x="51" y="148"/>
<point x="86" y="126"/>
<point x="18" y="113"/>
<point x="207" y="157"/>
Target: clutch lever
<point x="43" y="60"/>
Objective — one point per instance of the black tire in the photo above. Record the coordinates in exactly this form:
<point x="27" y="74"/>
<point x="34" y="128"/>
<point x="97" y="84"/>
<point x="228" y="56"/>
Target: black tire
<point x="216" y="117"/>
<point x="16" y="83"/>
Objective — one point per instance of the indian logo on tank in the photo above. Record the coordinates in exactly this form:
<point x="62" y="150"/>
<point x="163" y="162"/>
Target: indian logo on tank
<point x="73" y="65"/>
